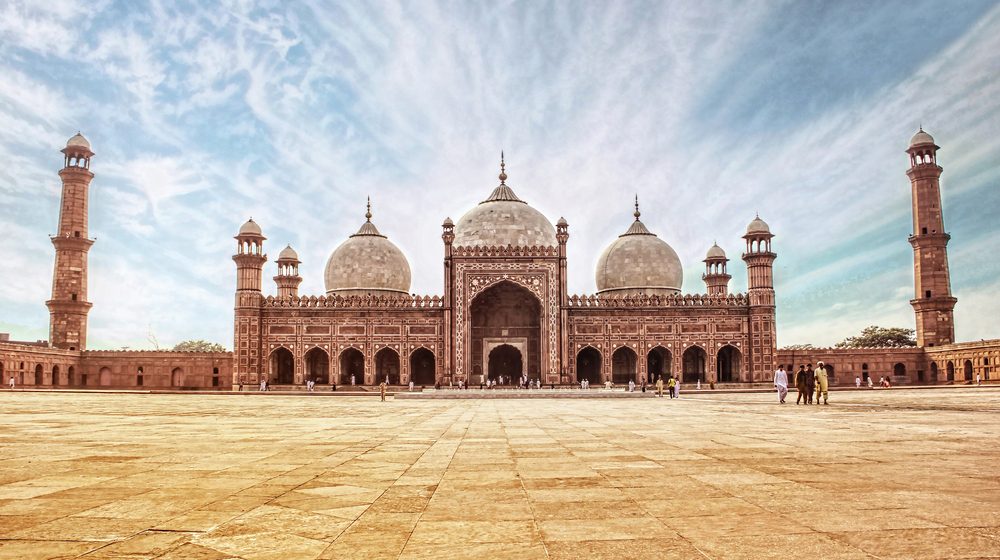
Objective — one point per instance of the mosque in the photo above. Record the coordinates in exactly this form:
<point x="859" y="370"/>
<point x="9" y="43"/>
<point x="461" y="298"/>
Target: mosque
<point x="504" y="312"/>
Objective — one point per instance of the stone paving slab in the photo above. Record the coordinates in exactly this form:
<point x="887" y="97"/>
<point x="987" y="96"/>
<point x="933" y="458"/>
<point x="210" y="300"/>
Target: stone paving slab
<point x="876" y="474"/>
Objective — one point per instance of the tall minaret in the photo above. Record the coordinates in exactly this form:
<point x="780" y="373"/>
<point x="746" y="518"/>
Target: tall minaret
<point x="760" y="292"/>
<point x="68" y="307"/>
<point x="250" y="259"/>
<point x="933" y="303"/>
<point x="715" y="277"/>
<point x="288" y="278"/>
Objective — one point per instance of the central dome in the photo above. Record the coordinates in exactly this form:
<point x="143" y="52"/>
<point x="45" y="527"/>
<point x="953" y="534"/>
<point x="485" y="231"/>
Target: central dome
<point x="638" y="262"/>
<point x="503" y="219"/>
<point x="367" y="263"/>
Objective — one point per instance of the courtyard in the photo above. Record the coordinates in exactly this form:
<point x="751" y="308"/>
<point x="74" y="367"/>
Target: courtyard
<point x="877" y="474"/>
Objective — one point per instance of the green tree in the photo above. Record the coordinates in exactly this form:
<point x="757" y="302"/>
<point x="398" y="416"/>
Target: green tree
<point x="799" y="347"/>
<point x="198" y="346"/>
<point x="879" y="337"/>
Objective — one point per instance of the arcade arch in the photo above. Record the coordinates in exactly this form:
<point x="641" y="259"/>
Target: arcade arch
<point x="951" y="371"/>
<point x="507" y="362"/>
<point x="694" y="361"/>
<point x="317" y="365"/>
<point x="352" y="366"/>
<point x="422" y="367"/>
<point x="282" y="366"/>
<point x="968" y="370"/>
<point x="659" y="364"/>
<point x="387" y="367"/>
<point x="55" y="375"/>
<point x="588" y="365"/>
<point x="623" y="365"/>
<point x="728" y="362"/>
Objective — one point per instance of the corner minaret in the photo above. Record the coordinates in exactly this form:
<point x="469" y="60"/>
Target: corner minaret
<point x="760" y="292"/>
<point x="250" y="259"/>
<point x="288" y="278"/>
<point x="933" y="303"/>
<point x="715" y="277"/>
<point x="69" y="307"/>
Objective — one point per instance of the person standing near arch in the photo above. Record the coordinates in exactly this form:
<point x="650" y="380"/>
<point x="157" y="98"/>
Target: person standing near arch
<point x="381" y="390"/>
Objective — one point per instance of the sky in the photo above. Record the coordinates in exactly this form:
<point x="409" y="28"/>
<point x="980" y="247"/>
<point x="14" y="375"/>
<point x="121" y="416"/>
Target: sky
<point x="202" y="115"/>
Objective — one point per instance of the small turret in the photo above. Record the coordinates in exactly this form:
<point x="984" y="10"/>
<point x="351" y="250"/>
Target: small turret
<point x="288" y="278"/>
<point x="715" y="277"/>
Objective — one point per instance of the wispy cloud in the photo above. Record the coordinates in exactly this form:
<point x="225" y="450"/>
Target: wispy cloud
<point x="202" y="116"/>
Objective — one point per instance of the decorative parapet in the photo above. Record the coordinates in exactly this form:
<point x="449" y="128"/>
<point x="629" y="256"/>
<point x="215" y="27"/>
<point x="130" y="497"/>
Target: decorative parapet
<point x="366" y="301"/>
<point x="153" y="354"/>
<point x="673" y="300"/>
<point x="502" y="251"/>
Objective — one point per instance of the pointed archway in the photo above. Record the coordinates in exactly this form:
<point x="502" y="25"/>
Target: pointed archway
<point x="282" y="366"/>
<point x="317" y="366"/>
<point x="505" y="313"/>
<point x="422" y="366"/>
<point x="659" y="364"/>
<point x="694" y="360"/>
<point x="387" y="367"/>
<point x="728" y="362"/>
<point x="588" y="366"/>
<point x="505" y="361"/>
<point x="623" y="365"/>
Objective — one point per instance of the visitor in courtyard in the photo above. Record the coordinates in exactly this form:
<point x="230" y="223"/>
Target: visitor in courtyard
<point x="241" y="384"/>
<point x="857" y="382"/>
<point x="699" y="385"/>
<point x="881" y="382"/>
<point x="631" y="386"/>
<point x="800" y="385"/>
<point x="870" y="384"/>
<point x="607" y="385"/>
<point x="978" y="380"/>
<point x="411" y="385"/>
<point x="12" y="383"/>
<point x="671" y="385"/>
<point x="659" y="386"/>
<point x="677" y="387"/>
<point x="352" y="380"/>
<point x="781" y="382"/>
<point x="810" y="383"/>
<point x="822" y="382"/>
<point x="888" y="384"/>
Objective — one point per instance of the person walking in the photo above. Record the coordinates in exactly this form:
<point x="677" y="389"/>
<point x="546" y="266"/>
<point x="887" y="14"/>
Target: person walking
<point x="12" y="383"/>
<point x="781" y="382"/>
<point x="978" y="380"/>
<point x="822" y="382"/>
<point x="677" y="387"/>
<point x="381" y="390"/>
<point x="800" y="385"/>
<point x="671" y="386"/>
<point x="411" y="385"/>
<point x="857" y="382"/>
<point x="810" y="383"/>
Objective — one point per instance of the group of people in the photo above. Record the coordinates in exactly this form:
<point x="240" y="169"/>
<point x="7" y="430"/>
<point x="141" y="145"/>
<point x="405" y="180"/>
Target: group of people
<point x="673" y="387"/>
<point x="807" y="381"/>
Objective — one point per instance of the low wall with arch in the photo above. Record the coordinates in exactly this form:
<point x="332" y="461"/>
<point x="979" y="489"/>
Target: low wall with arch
<point x="156" y="370"/>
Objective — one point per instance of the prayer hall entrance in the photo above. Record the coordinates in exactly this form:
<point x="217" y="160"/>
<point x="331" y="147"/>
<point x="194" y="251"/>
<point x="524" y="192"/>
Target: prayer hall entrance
<point x="658" y="365"/>
<point x="728" y="361"/>
<point x="387" y="367"/>
<point x="352" y="367"/>
<point x="317" y="366"/>
<point x="505" y="314"/>
<point x="505" y="365"/>
<point x="422" y="367"/>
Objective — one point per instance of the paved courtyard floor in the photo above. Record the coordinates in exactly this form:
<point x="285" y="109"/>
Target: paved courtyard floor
<point x="877" y="474"/>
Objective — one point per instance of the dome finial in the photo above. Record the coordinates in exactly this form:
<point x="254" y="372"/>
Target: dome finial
<point x="503" y="175"/>
<point x="368" y="214"/>
<point x="636" y="207"/>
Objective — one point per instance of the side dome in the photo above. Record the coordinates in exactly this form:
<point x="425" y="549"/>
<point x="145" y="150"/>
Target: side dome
<point x="251" y="228"/>
<point x="503" y="219"/>
<point x="78" y="140"/>
<point x="758" y="226"/>
<point x="921" y="138"/>
<point x="367" y="263"/>
<point x="638" y="262"/>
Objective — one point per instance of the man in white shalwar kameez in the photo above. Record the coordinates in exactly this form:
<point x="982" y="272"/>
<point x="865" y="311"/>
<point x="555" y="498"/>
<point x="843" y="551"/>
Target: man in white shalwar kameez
<point x="781" y="383"/>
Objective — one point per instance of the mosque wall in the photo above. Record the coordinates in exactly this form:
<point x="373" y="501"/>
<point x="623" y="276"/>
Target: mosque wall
<point x="903" y="366"/>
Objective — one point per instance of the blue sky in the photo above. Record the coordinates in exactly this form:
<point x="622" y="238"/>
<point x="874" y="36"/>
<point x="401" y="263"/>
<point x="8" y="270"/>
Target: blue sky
<point x="202" y="115"/>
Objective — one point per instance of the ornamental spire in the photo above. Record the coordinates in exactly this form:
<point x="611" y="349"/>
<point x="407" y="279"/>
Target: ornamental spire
<point x="368" y="214"/>
<point x="636" y="207"/>
<point x="503" y="175"/>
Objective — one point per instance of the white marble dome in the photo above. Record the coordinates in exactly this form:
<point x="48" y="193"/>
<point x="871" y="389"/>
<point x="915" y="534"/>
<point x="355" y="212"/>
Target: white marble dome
<point x="638" y="262"/>
<point x="503" y="219"/>
<point x="715" y="252"/>
<point x="367" y="263"/>
<point x="78" y="140"/>
<point x="288" y="254"/>
<point x="921" y="138"/>
<point x="251" y="228"/>
<point x="758" y="226"/>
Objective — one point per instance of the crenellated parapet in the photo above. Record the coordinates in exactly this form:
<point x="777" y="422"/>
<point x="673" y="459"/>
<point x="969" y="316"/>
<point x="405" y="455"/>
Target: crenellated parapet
<point x="357" y="302"/>
<point x="672" y="300"/>
<point x="505" y="251"/>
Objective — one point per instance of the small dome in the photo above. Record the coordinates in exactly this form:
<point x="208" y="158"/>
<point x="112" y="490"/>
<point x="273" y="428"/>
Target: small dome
<point x="78" y="140"/>
<point x="288" y="254"/>
<point x="921" y="138"/>
<point x="758" y="226"/>
<point x="448" y="223"/>
<point x="716" y="252"/>
<point x="562" y="222"/>
<point x="503" y="219"/>
<point x="251" y="228"/>
<point x="638" y="262"/>
<point x="367" y="263"/>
